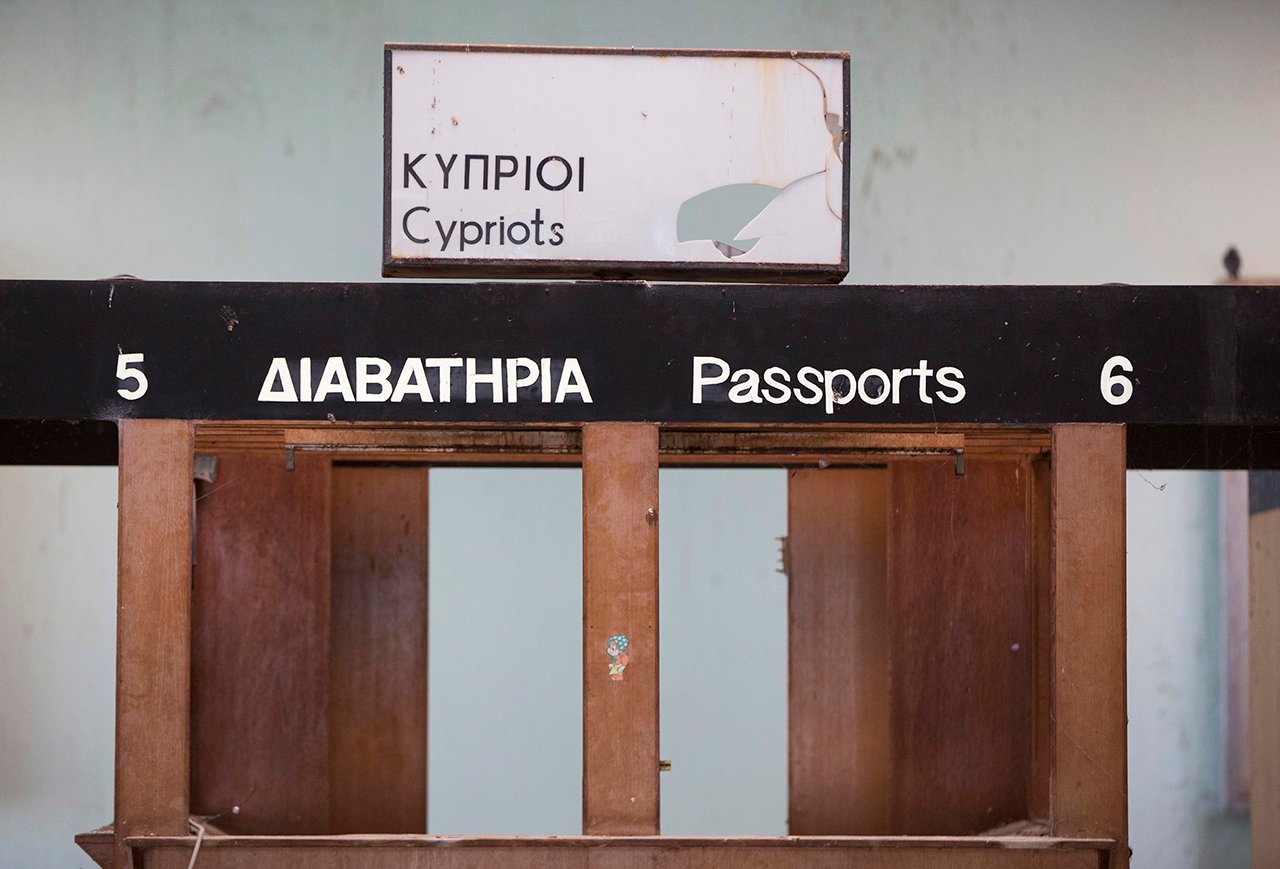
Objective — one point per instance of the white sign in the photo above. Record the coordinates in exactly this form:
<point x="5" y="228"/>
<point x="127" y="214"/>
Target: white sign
<point x="509" y="161"/>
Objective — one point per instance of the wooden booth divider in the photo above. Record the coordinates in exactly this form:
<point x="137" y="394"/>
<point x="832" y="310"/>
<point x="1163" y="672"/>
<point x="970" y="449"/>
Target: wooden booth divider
<point x="153" y="632"/>
<point x="956" y="645"/>
<point x="620" y="599"/>
<point x="1089" y="791"/>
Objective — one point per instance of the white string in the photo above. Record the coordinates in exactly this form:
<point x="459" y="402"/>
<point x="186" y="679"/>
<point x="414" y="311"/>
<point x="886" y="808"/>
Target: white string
<point x="195" y="852"/>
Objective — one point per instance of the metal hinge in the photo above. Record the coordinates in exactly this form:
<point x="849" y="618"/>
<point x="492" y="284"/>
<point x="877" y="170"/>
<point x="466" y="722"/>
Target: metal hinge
<point x="784" y="556"/>
<point x="205" y="467"/>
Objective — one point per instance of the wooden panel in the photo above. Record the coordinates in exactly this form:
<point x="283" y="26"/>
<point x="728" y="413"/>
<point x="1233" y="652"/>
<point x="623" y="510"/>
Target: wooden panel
<point x="960" y="669"/>
<point x="838" y="663"/>
<point x="659" y="853"/>
<point x="260" y="654"/>
<point x="378" y="651"/>
<point x="1090" y="770"/>
<point x="1041" y="638"/>
<point x="153" y="630"/>
<point x="620" y="597"/>
<point x="749" y="443"/>
<point x="719" y="444"/>
<point x="1264" y="686"/>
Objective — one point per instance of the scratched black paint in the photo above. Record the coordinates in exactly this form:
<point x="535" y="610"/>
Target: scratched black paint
<point x="1202" y="355"/>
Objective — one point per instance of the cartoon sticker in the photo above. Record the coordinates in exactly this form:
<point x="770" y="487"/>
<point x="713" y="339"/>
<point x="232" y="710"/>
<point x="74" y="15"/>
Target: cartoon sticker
<point x="616" y="646"/>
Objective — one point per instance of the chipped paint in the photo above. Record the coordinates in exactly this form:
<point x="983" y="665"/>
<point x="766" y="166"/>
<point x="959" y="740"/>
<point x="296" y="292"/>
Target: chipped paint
<point x="742" y="175"/>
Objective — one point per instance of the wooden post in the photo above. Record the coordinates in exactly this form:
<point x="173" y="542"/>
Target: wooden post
<point x="838" y="661"/>
<point x="1089" y="778"/>
<point x="620" y="597"/>
<point x="153" y="631"/>
<point x="1040" y="500"/>
<point x="1264" y="687"/>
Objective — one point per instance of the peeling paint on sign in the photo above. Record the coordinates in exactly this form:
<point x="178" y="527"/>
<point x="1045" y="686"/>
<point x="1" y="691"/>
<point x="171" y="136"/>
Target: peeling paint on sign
<point x="615" y="163"/>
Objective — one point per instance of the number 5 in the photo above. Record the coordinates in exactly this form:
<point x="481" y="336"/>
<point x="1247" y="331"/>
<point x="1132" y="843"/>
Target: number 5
<point x="124" y="372"/>
<point x="1110" y="380"/>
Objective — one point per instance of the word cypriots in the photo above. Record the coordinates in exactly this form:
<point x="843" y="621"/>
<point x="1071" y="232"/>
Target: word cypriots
<point x="552" y="173"/>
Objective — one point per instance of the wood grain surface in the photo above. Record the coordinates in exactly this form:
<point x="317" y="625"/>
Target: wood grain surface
<point x="959" y="629"/>
<point x="838" y="694"/>
<point x="1010" y="852"/>
<point x="1041" y="586"/>
<point x="153" y="631"/>
<point x="620" y="596"/>
<point x="1089" y="791"/>
<point x="378" y="651"/>
<point x="260" y="650"/>
<point x="1264" y="687"/>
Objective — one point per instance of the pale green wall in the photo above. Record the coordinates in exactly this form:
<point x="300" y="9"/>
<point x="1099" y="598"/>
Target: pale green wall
<point x="1176" y="662"/>
<point x="57" y="660"/>
<point x="992" y="142"/>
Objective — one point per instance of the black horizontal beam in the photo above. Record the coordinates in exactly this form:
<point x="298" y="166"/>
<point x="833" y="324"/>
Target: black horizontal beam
<point x="579" y="352"/>
<point x="1185" y="447"/>
<point x="58" y="442"/>
<point x="1204" y="447"/>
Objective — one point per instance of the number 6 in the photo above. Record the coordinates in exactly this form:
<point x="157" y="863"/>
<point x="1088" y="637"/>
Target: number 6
<point x="124" y="372"/>
<point x="1110" y="379"/>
